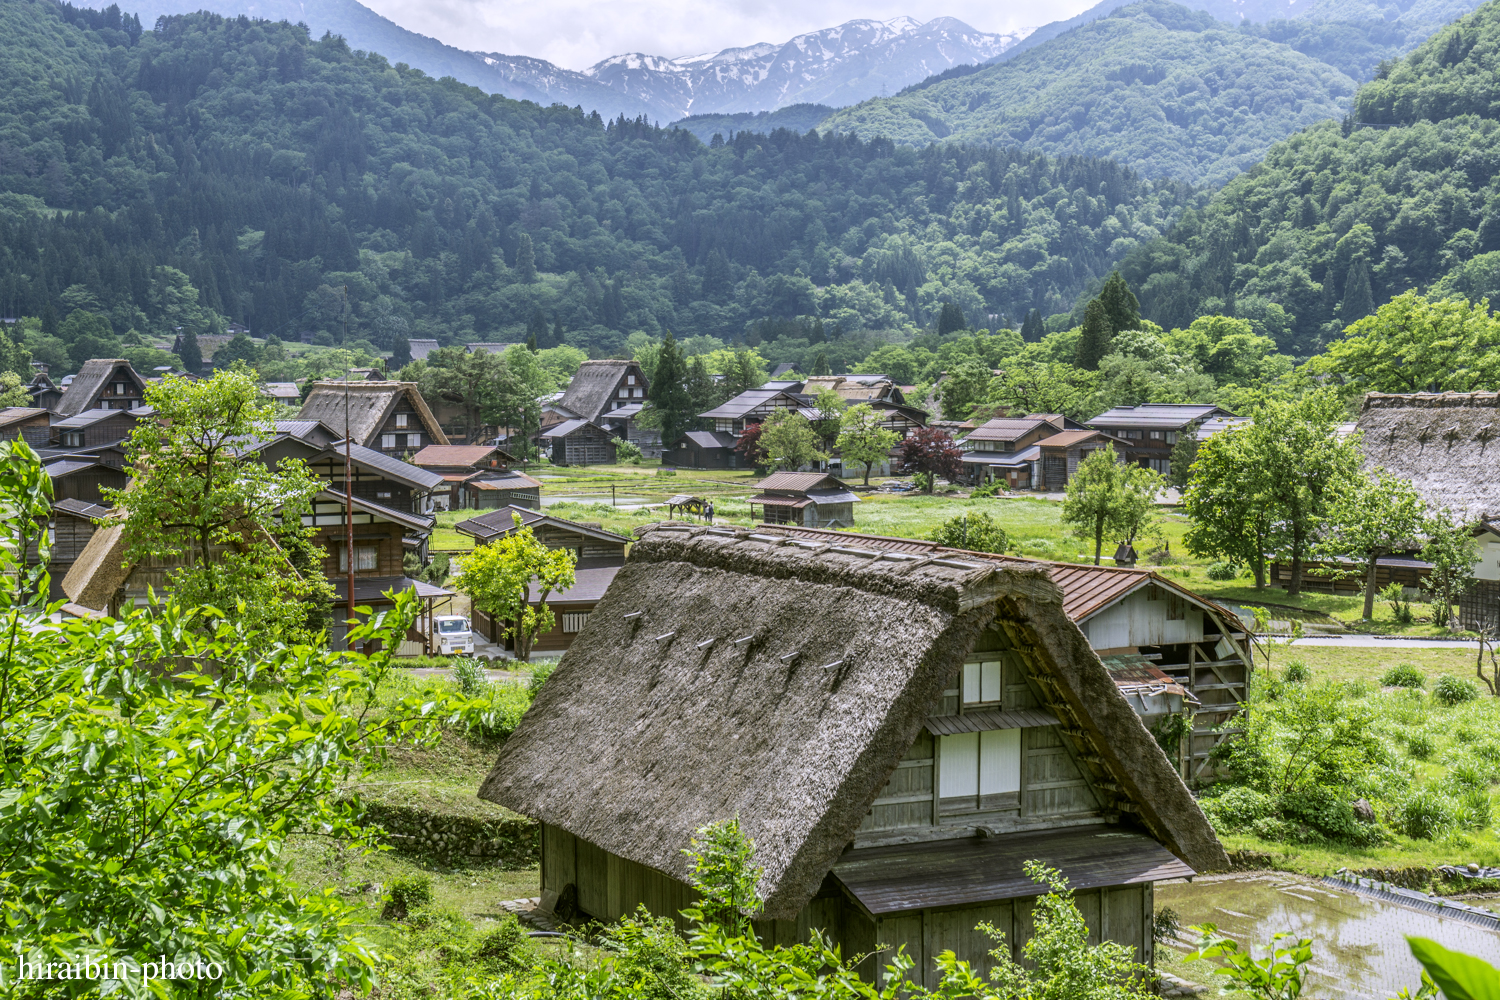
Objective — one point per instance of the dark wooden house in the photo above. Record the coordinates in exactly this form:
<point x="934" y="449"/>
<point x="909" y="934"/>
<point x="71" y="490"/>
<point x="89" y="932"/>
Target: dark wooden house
<point x="457" y="463"/>
<point x="811" y="499"/>
<point x="73" y="524"/>
<point x="390" y="417"/>
<point x="93" y="429"/>
<point x="578" y="442"/>
<point x="1058" y="456"/>
<point x="502" y="488"/>
<point x="600" y="387"/>
<point x="897" y="733"/>
<point x="83" y="478"/>
<point x="31" y="424"/>
<point x="103" y="384"/>
<point x="44" y="392"/>
<point x="597" y="554"/>
<point x="703" y="450"/>
<point x="1146" y="433"/>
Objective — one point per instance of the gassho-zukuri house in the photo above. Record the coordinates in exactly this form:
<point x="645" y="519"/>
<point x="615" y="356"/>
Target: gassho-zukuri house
<point x="899" y="733"/>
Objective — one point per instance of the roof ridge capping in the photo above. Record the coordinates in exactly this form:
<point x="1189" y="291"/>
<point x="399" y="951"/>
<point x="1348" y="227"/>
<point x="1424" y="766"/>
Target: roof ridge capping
<point x="1393" y="400"/>
<point x="944" y="580"/>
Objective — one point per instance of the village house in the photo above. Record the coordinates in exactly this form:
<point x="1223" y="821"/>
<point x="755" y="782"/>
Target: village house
<point x="1146" y="433"/>
<point x="44" y="392"/>
<point x="94" y="429"/>
<point x="421" y="347"/>
<point x="704" y="450"/>
<point x="1169" y="650"/>
<point x="601" y="386"/>
<point x="810" y="499"/>
<point x="102" y="384"/>
<point x="457" y="463"/>
<point x="208" y="346"/>
<point x="878" y="392"/>
<point x="83" y="477"/>
<point x="897" y="733"/>
<point x="501" y="488"/>
<point x="624" y="422"/>
<point x="72" y="527"/>
<point x="597" y="555"/>
<point x="1005" y="449"/>
<point x="282" y="392"/>
<point x="32" y="424"/>
<point x="390" y="417"/>
<point x="1444" y="443"/>
<point x="578" y="442"/>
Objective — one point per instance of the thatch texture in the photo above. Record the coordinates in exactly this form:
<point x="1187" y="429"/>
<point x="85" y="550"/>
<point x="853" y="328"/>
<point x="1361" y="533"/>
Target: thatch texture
<point x="99" y="570"/>
<point x="658" y="721"/>
<point x="593" y="386"/>
<point x="1446" y="443"/>
<point x="86" y="385"/>
<point x="369" y="404"/>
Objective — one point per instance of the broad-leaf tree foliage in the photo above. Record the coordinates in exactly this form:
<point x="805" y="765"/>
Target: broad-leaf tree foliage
<point x="1225" y="501"/>
<point x="1371" y="516"/>
<point x="789" y="440"/>
<point x="1452" y="550"/>
<point x="862" y="439"/>
<point x="498" y="577"/>
<point x="931" y="451"/>
<point x="229" y="525"/>
<point x="156" y="766"/>
<point x="1107" y="495"/>
<point x="1417" y="344"/>
<point x="974" y="530"/>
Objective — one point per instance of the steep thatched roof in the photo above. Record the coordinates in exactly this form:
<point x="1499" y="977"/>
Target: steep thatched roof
<point x="84" y="389"/>
<point x="658" y="721"/>
<point x="594" y="384"/>
<point x="1446" y="443"/>
<point x="369" y="405"/>
<point x="99" y="570"/>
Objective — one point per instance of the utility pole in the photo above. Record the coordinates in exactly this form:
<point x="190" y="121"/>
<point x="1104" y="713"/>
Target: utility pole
<point x="348" y="483"/>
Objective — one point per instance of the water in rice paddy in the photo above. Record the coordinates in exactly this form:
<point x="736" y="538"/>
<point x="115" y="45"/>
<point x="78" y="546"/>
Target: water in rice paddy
<point x="1359" y="944"/>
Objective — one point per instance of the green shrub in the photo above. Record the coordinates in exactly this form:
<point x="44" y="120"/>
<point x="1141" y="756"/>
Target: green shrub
<point x="1450" y="690"/>
<point x="1424" y="815"/>
<point x="1038" y="548"/>
<point x="505" y="947"/>
<point x="627" y="451"/>
<point x="1223" y="571"/>
<point x="469" y="676"/>
<point x="976" y="531"/>
<point x="539" y="674"/>
<point x="666" y="472"/>
<point x="1488" y="751"/>
<point x="1395" y="595"/>
<point x="1296" y="672"/>
<point x="1276" y="828"/>
<point x="494" y="712"/>
<point x="405" y="895"/>
<point x="1474" y="811"/>
<point x="1235" y="809"/>
<point x="1403" y="675"/>
<point x="989" y="490"/>
<point x="1419" y="746"/>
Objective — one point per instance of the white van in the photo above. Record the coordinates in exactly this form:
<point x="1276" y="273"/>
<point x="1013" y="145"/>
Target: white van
<point x="454" y="634"/>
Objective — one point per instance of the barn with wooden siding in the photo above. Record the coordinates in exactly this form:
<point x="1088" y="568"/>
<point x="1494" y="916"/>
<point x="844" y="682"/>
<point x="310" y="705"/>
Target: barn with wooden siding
<point x="578" y="442"/>
<point x="897" y="732"/>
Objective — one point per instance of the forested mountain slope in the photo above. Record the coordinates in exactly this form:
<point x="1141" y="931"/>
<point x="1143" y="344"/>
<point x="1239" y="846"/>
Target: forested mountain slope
<point x="242" y="169"/>
<point x="1340" y="218"/>
<point x="1168" y="91"/>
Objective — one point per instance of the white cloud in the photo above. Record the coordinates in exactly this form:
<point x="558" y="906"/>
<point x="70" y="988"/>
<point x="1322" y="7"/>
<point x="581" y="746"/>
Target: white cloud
<point x="578" y="33"/>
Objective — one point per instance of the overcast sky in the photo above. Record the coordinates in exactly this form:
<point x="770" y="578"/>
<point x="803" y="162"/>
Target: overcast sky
<point x="578" y="33"/>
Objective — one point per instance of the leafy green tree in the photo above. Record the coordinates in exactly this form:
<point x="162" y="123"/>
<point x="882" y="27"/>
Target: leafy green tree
<point x="1372" y="516"/>
<point x="1417" y="344"/>
<point x="497" y="577"/>
<point x="231" y="528"/>
<point x="13" y="391"/>
<point x="456" y="377"/>
<point x="1035" y="387"/>
<point x="830" y="406"/>
<point x="14" y="357"/>
<point x="1105" y="494"/>
<point x="976" y="531"/>
<point x="190" y="353"/>
<point x="931" y="452"/>
<point x="1095" y="337"/>
<point x="1184" y="453"/>
<point x="215" y="767"/>
<point x="525" y="259"/>
<point x="1225" y="500"/>
<point x="789" y="440"/>
<point x="240" y="348"/>
<point x="746" y="372"/>
<point x="725" y="873"/>
<point x="1453" y="552"/>
<point x="966" y="385"/>
<point x="863" y="440"/>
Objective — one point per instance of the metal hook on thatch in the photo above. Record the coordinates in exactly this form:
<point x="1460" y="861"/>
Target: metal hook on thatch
<point x="744" y="639"/>
<point x="664" y="635"/>
<point x="633" y="614"/>
<point x="707" y="642"/>
<point x="791" y="656"/>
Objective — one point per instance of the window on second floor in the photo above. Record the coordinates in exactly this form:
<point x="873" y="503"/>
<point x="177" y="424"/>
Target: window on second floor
<point x="974" y="765"/>
<point x="401" y="420"/>
<point x="630" y="380"/>
<point x="981" y="683"/>
<point x="72" y="439"/>
<point x="414" y="440"/>
<point x="624" y="393"/>
<point x="366" y="557"/>
<point x="387" y="440"/>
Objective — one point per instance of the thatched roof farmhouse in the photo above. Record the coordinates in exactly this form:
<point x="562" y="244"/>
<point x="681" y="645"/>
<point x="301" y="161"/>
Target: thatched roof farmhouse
<point x="898" y="732"/>
<point x="388" y="416"/>
<point x="1446" y="443"/>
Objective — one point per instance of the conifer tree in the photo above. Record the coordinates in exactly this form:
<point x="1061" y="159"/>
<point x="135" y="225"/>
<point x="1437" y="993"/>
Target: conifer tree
<point x="525" y="259"/>
<point x="190" y="353"/>
<point x="1094" y="339"/>
<point x="558" y="338"/>
<point x="400" y="352"/>
<point x="1359" y="302"/>
<point x="951" y="319"/>
<point x="1120" y="306"/>
<point x="668" y="393"/>
<point x="820" y="364"/>
<point x="1032" y="329"/>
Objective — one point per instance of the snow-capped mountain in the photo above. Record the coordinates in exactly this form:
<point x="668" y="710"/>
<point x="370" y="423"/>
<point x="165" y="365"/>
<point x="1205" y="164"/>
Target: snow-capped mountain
<point x="836" y="66"/>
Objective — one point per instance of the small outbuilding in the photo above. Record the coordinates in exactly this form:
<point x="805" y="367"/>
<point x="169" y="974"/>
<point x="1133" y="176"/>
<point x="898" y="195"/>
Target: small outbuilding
<point x="898" y="733"/>
<point x="703" y="450"/>
<point x="578" y="442"/>
<point x="811" y="499"/>
<point x="501" y="488"/>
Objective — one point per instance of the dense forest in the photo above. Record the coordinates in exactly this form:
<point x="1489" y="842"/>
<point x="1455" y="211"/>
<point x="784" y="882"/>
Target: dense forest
<point x="1403" y="195"/>
<point x="215" y="170"/>
<point x="1166" y="90"/>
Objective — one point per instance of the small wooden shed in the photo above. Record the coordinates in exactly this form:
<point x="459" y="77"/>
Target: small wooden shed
<point x="898" y="733"/>
<point x="811" y="499"/>
<point x="578" y="442"/>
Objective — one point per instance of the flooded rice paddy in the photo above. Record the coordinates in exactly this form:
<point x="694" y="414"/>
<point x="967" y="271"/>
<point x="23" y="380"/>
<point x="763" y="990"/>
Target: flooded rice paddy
<point x="1359" y="943"/>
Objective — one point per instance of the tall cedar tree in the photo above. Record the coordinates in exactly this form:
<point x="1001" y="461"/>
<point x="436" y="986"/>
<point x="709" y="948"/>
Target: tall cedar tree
<point x="400" y="353"/>
<point x="1032" y="329"/>
<point x="190" y="353"/>
<point x="820" y="364"/>
<point x="525" y="259"/>
<point x="951" y="319"/>
<point x="1120" y="305"/>
<point x="1359" y="301"/>
<point x="668" y="394"/>
<point x="1094" y="339"/>
<point x="931" y="450"/>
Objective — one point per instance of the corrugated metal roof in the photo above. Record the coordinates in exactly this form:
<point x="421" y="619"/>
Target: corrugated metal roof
<point x="80" y="508"/>
<point x="67" y="467"/>
<point x="1168" y="416"/>
<point x="588" y="585"/>
<point x="980" y="869"/>
<point x="983" y="722"/>
<point x="749" y="400"/>
<point x="501" y="521"/>
<point x="452" y="454"/>
<point x="90" y="417"/>
<point x="1005" y="429"/>
<point x="401" y="472"/>
<point x="564" y="429"/>
<point x="371" y="590"/>
<point x="711" y="439"/>
<point x="14" y="414"/>
<point x="417" y="522"/>
<point x="771" y="500"/>
<point x="1067" y="439"/>
<point x="799" y="481"/>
